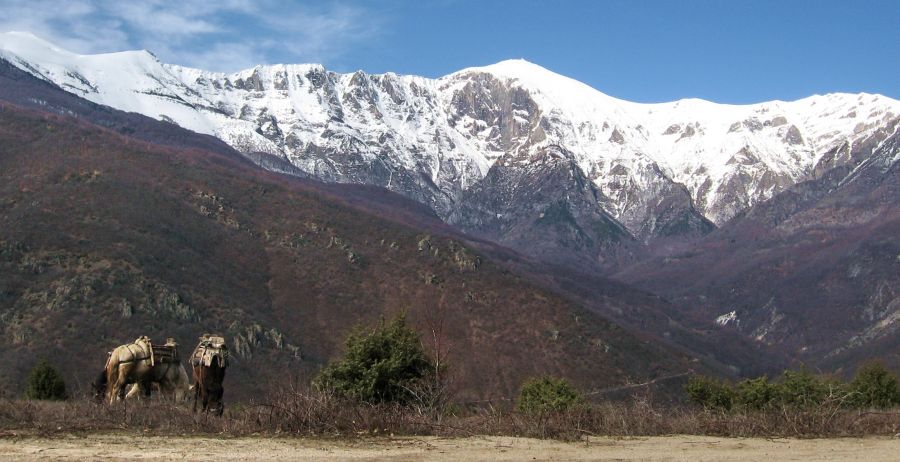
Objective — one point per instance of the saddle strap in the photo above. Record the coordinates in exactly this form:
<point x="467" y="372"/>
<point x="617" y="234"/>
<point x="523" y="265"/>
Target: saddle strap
<point x="137" y="356"/>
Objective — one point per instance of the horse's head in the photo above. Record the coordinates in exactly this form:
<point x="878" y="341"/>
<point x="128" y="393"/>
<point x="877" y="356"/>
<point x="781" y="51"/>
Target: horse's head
<point x="98" y="385"/>
<point x="182" y="384"/>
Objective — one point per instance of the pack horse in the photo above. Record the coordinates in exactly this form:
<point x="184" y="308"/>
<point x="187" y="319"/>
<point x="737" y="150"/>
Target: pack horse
<point x="142" y="363"/>
<point x="208" y="362"/>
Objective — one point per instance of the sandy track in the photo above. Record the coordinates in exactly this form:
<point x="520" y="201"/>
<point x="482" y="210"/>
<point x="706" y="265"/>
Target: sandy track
<point x="673" y="448"/>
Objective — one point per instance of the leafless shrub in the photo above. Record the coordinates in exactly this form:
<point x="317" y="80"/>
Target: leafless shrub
<point x="305" y="413"/>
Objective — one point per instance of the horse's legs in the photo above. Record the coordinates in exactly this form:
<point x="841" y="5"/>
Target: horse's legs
<point x="122" y="380"/>
<point x="113" y="369"/>
<point x="205" y="396"/>
<point x="112" y="393"/>
<point x="117" y="384"/>
<point x="196" y="395"/>
<point x="111" y="377"/>
<point x="117" y="392"/>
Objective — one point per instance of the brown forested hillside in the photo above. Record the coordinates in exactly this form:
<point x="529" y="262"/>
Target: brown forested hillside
<point x="104" y="238"/>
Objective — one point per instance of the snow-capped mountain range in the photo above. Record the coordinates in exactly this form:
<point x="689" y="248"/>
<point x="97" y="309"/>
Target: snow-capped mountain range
<point x="479" y="145"/>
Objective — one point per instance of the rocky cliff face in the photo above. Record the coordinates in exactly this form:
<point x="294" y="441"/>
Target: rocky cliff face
<point x="542" y="168"/>
<point x="468" y="143"/>
<point x="546" y="205"/>
<point x="813" y="271"/>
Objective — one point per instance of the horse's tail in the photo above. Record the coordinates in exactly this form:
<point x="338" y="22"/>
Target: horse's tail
<point x="108" y="359"/>
<point x="113" y="363"/>
<point x="112" y="370"/>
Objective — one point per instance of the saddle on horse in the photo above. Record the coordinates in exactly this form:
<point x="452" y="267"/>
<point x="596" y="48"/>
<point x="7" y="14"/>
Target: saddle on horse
<point x="137" y="351"/>
<point x="211" y="347"/>
<point x="167" y="353"/>
<point x="142" y="349"/>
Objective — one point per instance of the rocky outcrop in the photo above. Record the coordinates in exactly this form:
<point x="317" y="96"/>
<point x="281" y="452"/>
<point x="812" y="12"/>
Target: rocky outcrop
<point x="545" y="207"/>
<point x="247" y="339"/>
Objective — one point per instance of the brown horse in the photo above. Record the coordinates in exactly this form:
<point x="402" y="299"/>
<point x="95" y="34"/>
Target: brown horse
<point x="209" y="361"/>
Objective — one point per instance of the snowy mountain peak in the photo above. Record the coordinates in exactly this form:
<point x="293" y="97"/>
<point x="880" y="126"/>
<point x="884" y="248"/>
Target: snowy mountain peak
<point x="28" y="44"/>
<point x="515" y="69"/>
<point x="22" y="40"/>
<point x="561" y="89"/>
<point x="434" y="139"/>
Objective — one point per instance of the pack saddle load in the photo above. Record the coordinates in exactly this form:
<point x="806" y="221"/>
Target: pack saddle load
<point x="210" y="347"/>
<point x="144" y="350"/>
<point x="208" y="362"/>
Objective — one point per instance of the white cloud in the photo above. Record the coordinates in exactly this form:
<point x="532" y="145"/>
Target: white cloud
<point x="223" y="35"/>
<point x="146" y="18"/>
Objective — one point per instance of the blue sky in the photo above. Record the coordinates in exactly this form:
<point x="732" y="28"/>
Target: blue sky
<point x="725" y="51"/>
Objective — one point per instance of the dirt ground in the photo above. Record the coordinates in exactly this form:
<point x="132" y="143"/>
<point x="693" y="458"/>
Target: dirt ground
<point x="671" y="448"/>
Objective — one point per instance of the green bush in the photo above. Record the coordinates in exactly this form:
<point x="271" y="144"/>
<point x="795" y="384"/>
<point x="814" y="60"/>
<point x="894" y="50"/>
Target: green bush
<point x="756" y="394"/>
<point x="547" y="394"/>
<point x="710" y="393"/>
<point x="44" y="382"/>
<point x="874" y="386"/>
<point x="802" y="389"/>
<point x="379" y="366"/>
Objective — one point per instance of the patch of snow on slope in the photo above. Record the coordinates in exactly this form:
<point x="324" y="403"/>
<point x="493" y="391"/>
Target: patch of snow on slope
<point x="727" y="318"/>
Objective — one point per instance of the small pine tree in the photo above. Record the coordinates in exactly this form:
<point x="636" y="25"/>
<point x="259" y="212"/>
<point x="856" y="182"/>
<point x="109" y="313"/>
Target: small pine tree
<point x="874" y="386"/>
<point x="380" y="366"/>
<point x="547" y="394"/>
<point x="44" y="382"/>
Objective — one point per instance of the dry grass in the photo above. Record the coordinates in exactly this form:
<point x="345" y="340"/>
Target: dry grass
<point x="291" y="413"/>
